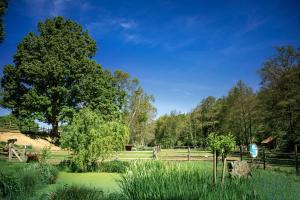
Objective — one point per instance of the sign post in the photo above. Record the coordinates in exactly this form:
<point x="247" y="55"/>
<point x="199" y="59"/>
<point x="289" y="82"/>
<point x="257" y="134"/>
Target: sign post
<point x="253" y="151"/>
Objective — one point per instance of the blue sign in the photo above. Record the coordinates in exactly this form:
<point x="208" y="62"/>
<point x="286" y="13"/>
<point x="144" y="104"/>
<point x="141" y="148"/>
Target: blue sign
<point x="253" y="150"/>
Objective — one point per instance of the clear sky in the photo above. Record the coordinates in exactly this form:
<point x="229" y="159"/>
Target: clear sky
<point x="182" y="51"/>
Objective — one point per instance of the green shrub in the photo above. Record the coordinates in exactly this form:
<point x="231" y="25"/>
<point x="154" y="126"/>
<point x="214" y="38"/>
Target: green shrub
<point x="20" y="179"/>
<point x="9" y="185"/>
<point x="45" y="154"/>
<point x="115" y="166"/>
<point x="91" y="139"/>
<point x="76" y="193"/>
<point x="64" y="164"/>
<point x="29" y="180"/>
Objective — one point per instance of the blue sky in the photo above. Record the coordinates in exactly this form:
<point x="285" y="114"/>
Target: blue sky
<point x="182" y="51"/>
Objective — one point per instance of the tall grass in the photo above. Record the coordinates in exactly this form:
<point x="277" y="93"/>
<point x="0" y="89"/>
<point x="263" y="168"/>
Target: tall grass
<point x="76" y="193"/>
<point x="158" y="180"/>
<point x="20" y="180"/>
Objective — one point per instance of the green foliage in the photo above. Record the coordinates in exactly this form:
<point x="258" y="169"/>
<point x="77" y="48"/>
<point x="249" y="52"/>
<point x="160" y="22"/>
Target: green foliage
<point x="214" y="142"/>
<point x="251" y="117"/>
<point x="76" y="193"/>
<point x="227" y="144"/>
<point x="171" y="130"/>
<point x="241" y="113"/>
<point x="53" y="76"/>
<point x="138" y="109"/>
<point x="9" y="185"/>
<point x="223" y="144"/>
<point x="18" y="180"/>
<point x="92" y="139"/>
<point x="45" y="154"/>
<point x="23" y="124"/>
<point x="3" y="7"/>
<point x="157" y="180"/>
<point x="279" y="96"/>
<point x="115" y="166"/>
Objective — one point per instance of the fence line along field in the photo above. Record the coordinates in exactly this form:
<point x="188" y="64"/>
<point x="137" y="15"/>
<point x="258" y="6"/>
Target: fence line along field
<point x="265" y="159"/>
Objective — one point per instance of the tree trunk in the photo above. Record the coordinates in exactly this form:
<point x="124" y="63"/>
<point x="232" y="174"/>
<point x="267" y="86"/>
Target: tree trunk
<point x="54" y="123"/>
<point x="215" y="167"/>
<point x="223" y="171"/>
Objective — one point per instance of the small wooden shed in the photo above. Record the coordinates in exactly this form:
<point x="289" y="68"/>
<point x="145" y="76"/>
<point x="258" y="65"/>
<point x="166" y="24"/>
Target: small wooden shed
<point x="269" y="142"/>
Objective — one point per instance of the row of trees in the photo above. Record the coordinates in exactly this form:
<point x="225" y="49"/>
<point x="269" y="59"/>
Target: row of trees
<point x="250" y="116"/>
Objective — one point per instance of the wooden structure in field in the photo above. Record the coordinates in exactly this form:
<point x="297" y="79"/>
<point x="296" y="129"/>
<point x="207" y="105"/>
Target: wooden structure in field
<point x="11" y="151"/>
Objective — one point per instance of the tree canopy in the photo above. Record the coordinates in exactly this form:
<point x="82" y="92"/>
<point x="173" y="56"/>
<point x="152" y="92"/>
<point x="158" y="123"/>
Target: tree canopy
<point x="280" y="95"/>
<point x="274" y="110"/>
<point x="53" y="76"/>
<point x="138" y="110"/>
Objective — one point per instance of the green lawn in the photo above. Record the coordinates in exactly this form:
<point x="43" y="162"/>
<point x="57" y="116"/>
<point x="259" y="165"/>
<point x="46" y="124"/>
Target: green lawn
<point x="105" y="181"/>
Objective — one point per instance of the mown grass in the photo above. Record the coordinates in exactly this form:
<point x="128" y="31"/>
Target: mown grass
<point x="105" y="181"/>
<point x="162" y="180"/>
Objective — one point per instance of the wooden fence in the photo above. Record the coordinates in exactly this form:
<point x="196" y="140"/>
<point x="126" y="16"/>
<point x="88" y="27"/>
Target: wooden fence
<point x="265" y="157"/>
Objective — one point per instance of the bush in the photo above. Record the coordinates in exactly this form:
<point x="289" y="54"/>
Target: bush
<point x="45" y="154"/>
<point x="115" y="166"/>
<point x="47" y="173"/>
<point x="92" y="139"/>
<point x="9" y="185"/>
<point x="76" y="193"/>
<point x="21" y="179"/>
<point x="65" y="164"/>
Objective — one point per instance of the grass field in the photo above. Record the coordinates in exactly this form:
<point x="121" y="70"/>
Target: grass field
<point x="169" y="180"/>
<point x="193" y="180"/>
<point x="108" y="182"/>
<point x="105" y="181"/>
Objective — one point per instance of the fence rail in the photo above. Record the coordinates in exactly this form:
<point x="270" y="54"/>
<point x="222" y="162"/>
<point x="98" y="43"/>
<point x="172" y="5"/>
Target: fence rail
<point x="265" y="157"/>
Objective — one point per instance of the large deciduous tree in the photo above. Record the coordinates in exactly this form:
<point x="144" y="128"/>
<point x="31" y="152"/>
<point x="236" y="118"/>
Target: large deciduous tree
<point x="53" y="75"/>
<point x="138" y="110"/>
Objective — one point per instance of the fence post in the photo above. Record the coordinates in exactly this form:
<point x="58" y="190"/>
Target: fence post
<point x="296" y="159"/>
<point x="241" y="152"/>
<point x="25" y="158"/>
<point x="215" y="167"/>
<point x="264" y="158"/>
<point x="154" y="152"/>
<point x="189" y="154"/>
<point x="9" y="151"/>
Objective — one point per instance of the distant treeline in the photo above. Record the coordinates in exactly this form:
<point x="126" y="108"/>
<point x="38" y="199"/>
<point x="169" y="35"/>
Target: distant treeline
<point x="250" y="116"/>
